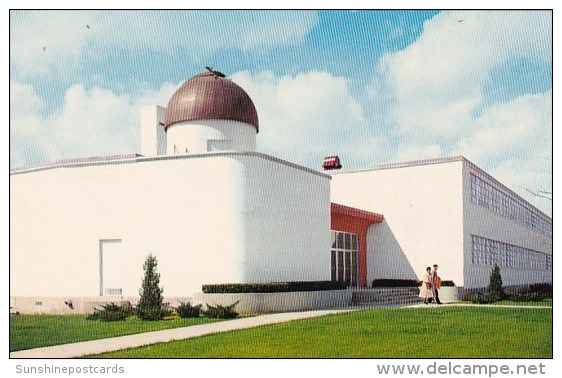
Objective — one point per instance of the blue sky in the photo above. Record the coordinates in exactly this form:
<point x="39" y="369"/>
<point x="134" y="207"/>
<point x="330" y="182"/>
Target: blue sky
<point x="370" y="86"/>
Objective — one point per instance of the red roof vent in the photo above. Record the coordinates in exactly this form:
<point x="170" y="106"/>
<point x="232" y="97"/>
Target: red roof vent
<point x="331" y="162"/>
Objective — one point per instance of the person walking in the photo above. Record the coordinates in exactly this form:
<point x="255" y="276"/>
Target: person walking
<point x="426" y="289"/>
<point x="436" y="280"/>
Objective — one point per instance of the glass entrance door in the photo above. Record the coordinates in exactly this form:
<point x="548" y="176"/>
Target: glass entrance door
<point x="344" y="257"/>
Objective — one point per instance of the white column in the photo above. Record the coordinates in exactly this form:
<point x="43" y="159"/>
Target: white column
<point x="153" y="136"/>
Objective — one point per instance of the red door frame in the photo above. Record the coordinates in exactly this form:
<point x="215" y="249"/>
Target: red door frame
<point x="356" y="221"/>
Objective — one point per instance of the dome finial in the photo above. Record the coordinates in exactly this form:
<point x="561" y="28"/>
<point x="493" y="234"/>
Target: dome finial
<point x="214" y="72"/>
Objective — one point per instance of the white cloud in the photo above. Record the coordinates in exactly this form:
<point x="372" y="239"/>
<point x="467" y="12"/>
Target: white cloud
<point x="407" y="152"/>
<point x="56" y="42"/>
<point x="525" y="175"/>
<point x="302" y="119"/>
<point x="25" y="124"/>
<point x="425" y="101"/>
<point x="435" y="95"/>
<point x="90" y="122"/>
<point x="306" y="117"/>
<point x="518" y="128"/>
<point x="438" y="81"/>
<point x="512" y="141"/>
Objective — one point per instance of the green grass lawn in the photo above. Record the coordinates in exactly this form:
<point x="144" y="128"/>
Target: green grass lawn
<point x="456" y="332"/>
<point x="547" y="302"/>
<point x="34" y="331"/>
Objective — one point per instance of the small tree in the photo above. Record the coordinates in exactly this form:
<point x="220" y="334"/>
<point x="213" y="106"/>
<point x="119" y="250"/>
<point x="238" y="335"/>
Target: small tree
<point x="494" y="291"/>
<point x="150" y="304"/>
<point x="495" y="286"/>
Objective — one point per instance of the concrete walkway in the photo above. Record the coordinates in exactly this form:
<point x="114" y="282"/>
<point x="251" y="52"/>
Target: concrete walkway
<point x="133" y="341"/>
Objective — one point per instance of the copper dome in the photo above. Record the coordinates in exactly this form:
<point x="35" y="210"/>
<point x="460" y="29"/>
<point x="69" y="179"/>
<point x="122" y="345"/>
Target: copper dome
<point x="208" y="96"/>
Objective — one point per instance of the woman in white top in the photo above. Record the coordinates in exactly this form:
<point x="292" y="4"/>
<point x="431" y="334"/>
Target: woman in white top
<point x="426" y="289"/>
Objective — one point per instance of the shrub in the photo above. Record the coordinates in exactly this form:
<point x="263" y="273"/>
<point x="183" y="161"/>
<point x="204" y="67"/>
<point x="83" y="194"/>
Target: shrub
<point x="495" y="286"/>
<point x="221" y="312"/>
<point x="531" y="293"/>
<point x="391" y="282"/>
<point x="494" y="292"/>
<point x="273" y="287"/>
<point x="485" y="298"/>
<point x="187" y="310"/>
<point x="128" y="307"/>
<point x="110" y="312"/>
<point x="543" y="288"/>
<point x="448" y="283"/>
<point x="154" y="313"/>
<point x="526" y="296"/>
<point x="150" y="306"/>
<point x="474" y="297"/>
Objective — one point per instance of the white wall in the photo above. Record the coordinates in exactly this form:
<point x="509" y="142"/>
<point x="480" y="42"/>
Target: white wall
<point x="422" y="207"/>
<point x="207" y="136"/>
<point x="484" y="223"/>
<point x="287" y="222"/>
<point x="385" y="258"/>
<point x="185" y="211"/>
<point x="214" y="218"/>
<point x="153" y="136"/>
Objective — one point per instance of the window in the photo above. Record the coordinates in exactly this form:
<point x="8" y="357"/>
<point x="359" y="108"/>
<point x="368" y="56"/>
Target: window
<point x="490" y="252"/>
<point x="486" y="195"/>
<point x="344" y="253"/>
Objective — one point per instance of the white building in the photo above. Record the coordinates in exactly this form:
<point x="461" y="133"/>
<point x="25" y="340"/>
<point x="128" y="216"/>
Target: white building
<point x="213" y="210"/>
<point x="448" y="212"/>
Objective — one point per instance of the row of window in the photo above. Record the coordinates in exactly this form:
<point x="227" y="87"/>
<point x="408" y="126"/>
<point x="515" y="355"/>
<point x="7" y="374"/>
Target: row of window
<point x="490" y="197"/>
<point x="490" y="252"/>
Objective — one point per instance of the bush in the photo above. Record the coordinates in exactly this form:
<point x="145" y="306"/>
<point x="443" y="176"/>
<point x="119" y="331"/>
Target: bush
<point x="531" y="293"/>
<point x="543" y="288"/>
<point x="447" y="283"/>
<point x="154" y="313"/>
<point x="485" y="298"/>
<point x="526" y="296"/>
<point x="273" y="287"/>
<point x="150" y="306"/>
<point x="391" y="282"/>
<point x="495" y="286"/>
<point x="110" y="313"/>
<point x="128" y="307"/>
<point x="187" y="310"/>
<point x="221" y="312"/>
<point x="494" y="292"/>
